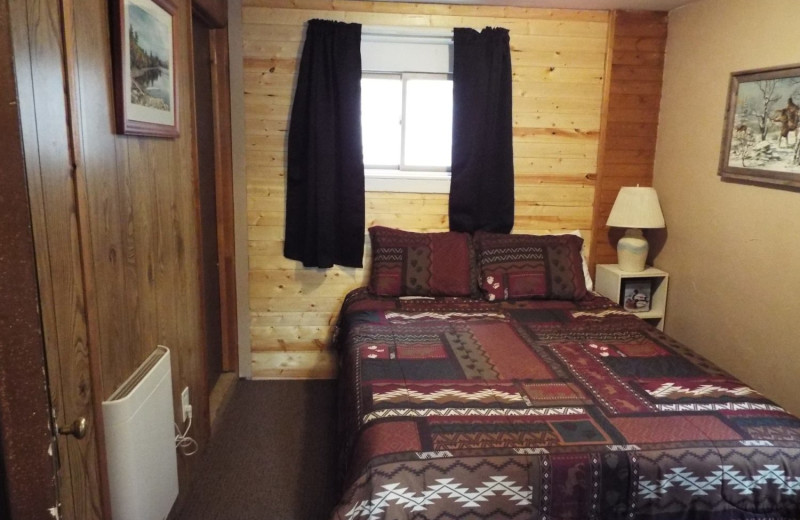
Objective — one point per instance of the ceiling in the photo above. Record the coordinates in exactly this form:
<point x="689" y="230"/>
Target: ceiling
<point x="647" y="5"/>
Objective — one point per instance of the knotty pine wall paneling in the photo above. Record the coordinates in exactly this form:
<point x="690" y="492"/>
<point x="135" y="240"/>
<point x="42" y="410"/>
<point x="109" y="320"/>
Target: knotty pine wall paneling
<point x="558" y="66"/>
<point x="637" y="40"/>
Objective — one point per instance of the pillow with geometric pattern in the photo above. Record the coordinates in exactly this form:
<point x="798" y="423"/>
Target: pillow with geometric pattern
<point x="514" y="267"/>
<point x="405" y="263"/>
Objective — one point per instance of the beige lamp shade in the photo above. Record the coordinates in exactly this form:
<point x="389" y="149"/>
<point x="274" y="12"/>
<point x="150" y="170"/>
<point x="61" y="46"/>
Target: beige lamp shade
<point x="636" y="209"/>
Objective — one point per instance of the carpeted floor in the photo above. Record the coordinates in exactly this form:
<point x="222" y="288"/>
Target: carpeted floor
<point x="272" y="457"/>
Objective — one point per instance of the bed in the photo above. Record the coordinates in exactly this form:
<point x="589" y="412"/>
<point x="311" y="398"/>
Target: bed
<point x="529" y="407"/>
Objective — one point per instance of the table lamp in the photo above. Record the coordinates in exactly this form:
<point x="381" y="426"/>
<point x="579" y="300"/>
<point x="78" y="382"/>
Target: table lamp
<point x="635" y="208"/>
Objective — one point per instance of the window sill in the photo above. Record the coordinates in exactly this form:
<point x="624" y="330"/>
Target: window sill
<point x="407" y="182"/>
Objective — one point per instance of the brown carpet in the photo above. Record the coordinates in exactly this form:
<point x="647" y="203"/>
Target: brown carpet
<point x="272" y="457"/>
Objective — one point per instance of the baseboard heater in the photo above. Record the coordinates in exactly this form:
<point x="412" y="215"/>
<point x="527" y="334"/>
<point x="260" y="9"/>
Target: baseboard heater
<point x="140" y="442"/>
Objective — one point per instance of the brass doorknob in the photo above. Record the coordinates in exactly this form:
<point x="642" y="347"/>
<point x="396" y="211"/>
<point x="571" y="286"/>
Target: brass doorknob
<point x="77" y="429"/>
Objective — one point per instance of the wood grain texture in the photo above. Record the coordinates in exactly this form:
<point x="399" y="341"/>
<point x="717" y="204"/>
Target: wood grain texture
<point x="27" y="484"/>
<point x="630" y="118"/>
<point x="39" y="44"/>
<point x="224" y="190"/>
<point x="559" y="68"/>
<point x="115" y="220"/>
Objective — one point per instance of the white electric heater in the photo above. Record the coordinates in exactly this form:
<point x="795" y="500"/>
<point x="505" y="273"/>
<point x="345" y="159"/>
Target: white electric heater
<point x="140" y="442"/>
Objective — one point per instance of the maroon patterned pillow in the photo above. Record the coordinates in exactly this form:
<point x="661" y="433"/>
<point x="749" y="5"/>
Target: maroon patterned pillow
<point x="514" y="267"/>
<point x="421" y="264"/>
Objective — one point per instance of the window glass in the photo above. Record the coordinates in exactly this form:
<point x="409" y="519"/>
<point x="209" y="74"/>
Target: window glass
<point x="406" y="121"/>
<point x="428" y="123"/>
<point x="381" y="120"/>
<point x="406" y="108"/>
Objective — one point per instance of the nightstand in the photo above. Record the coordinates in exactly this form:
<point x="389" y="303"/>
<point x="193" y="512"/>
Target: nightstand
<point x="610" y="281"/>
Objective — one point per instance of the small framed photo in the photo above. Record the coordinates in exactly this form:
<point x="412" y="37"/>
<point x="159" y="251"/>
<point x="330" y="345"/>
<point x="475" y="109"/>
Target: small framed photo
<point x="636" y="294"/>
<point x="144" y="67"/>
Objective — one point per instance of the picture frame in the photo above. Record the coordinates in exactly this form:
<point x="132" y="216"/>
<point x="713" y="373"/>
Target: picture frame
<point x="637" y="294"/>
<point x="761" y="138"/>
<point x="145" y="82"/>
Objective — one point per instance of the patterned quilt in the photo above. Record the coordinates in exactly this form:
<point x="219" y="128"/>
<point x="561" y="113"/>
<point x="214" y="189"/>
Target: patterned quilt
<point x="455" y="408"/>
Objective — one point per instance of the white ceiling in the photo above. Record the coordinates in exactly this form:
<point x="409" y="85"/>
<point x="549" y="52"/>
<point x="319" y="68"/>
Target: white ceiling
<point x="647" y="5"/>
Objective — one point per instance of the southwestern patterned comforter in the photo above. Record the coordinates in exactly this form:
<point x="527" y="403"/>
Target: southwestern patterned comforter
<point x="461" y="408"/>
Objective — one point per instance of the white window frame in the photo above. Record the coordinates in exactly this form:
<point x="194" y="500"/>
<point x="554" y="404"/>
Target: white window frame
<point x="407" y="64"/>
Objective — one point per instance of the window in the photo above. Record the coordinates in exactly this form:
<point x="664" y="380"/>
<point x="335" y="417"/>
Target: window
<point x="407" y="111"/>
<point x="407" y="121"/>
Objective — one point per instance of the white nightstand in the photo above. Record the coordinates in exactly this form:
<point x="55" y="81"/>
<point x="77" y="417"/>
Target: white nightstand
<point x="609" y="283"/>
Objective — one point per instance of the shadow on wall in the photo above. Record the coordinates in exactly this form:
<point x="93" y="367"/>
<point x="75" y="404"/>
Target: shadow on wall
<point x="656" y="238"/>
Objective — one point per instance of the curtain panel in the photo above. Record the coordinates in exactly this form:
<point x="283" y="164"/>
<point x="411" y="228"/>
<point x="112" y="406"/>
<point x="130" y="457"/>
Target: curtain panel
<point x="482" y="180"/>
<point x="325" y="170"/>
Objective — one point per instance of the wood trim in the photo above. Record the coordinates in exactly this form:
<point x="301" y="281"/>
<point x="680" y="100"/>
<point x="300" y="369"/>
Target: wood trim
<point x="223" y="174"/>
<point x="239" y="190"/>
<point x="205" y="391"/>
<point x="221" y="93"/>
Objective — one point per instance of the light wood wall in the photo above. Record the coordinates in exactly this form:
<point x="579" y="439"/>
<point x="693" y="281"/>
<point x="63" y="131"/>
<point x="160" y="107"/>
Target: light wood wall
<point x="558" y="64"/>
<point x="630" y="118"/>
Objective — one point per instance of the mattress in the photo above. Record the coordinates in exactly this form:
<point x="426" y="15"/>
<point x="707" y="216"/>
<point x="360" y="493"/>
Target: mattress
<point x="539" y="409"/>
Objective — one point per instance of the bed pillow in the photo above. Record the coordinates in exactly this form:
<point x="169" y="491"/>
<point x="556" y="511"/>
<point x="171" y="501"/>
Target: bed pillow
<point x="586" y="275"/>
<point x="513" y="267"/>
<point x="421" y="264"/>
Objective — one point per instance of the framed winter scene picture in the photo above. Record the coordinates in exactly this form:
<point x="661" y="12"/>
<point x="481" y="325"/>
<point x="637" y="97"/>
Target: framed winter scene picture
<point x="760" y="143"/>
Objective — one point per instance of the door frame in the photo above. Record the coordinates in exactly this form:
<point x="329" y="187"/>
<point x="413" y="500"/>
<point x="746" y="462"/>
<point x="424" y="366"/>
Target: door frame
<point x="214" y="15"/>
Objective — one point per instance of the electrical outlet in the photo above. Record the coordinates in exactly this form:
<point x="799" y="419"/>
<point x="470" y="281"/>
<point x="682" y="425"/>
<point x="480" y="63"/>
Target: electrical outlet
<point x="185" y="403"/>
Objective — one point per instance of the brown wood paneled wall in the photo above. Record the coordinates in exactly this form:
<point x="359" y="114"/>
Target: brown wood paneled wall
<point x="141" y="220"/>
<point x="637" y="40"/>
<point x="115" y="225"/>
<point x="558" y="60"/>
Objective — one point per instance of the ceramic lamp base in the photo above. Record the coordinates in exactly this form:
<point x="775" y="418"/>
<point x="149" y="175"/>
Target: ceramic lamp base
<point x="632" y="251"/>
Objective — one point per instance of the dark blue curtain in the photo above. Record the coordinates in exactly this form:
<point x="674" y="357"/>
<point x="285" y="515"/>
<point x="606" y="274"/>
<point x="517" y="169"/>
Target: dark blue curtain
<point x="325" y="184"/>
<point x="482" y="182"/>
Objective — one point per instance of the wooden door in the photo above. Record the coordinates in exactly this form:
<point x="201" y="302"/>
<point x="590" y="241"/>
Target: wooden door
<point x="39" y="60"/>
<point x="27" y="484"/>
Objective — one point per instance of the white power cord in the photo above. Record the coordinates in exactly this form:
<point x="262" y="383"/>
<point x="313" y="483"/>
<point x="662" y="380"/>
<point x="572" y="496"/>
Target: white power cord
<point x="182" y="439"/>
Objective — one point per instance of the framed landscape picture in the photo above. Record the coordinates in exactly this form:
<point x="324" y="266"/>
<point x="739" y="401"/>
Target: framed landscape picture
<point x="144" y="68"/>
<point x="760" y="143"/>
